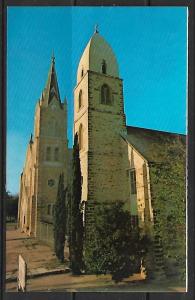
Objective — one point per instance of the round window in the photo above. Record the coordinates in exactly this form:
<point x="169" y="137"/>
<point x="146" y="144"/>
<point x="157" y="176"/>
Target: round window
<point x="51" y="182"/>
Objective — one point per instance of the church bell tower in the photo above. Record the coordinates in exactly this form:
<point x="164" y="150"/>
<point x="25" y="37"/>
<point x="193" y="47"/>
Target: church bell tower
<point x="100" y="122"/>
<point x="51" y="150"/>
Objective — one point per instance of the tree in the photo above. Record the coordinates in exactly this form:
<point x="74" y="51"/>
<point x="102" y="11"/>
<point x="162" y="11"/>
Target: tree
<point x="11" y="206"/>
<point x="60" y="220"/>
<point x="76" y="216"/>
<point x="116" y="247"/>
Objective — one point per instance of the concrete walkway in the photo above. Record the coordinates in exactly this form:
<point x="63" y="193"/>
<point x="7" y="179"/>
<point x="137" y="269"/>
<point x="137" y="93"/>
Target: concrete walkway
<point x="45" y="273"/>
<point x="39" y="257"/>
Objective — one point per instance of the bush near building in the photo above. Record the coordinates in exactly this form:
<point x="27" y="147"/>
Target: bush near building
<point x="60" y="220"/>
<point x="11" y="202"/>
<point x="75" y="214"/>
<point x="114" y="247"/>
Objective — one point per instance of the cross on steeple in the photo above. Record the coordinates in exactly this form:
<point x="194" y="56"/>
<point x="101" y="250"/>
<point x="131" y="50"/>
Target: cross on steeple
<point x="96" y="28"/>
<point x="53" y="57"/>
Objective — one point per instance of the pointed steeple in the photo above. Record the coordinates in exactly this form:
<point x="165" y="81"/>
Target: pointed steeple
<point x="51" y="90"/>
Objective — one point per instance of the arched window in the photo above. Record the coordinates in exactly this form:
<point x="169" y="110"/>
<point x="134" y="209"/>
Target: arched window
<point x="105" y="94"/>
<point x="56" y="154"/>
<point x="53" y="209"/>
<point x="132" y="174"/>
<point x="49" y="209"/>
<point x="80" y="99"/>
<point x="48" y="153"/>
<point x="104" y="66"/>
<point x="80" y="136"/>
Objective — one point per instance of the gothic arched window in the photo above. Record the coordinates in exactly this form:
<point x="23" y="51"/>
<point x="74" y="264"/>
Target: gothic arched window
<point x="80" y="136"/>
<point x="105" y="94"/>
<point x="104" y="66"/>
<point x="48" y="153"/>
<point x="49" y="209"/>
<point x="80" y="99"/>
<point x="132" y="174"/>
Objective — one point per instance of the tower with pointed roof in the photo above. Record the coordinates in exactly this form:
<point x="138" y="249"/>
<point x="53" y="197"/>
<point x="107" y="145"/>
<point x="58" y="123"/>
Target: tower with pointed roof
<point x="99" y="120"/>
<point x="118" y="162"/>
<point x="46" y="158"/>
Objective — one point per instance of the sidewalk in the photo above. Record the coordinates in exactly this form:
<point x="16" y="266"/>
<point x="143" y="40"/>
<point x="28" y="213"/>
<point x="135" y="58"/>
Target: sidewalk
<point x="45" y="273"/>
<point x="39" y="257"/>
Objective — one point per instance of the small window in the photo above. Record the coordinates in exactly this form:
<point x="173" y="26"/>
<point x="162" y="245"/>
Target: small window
<point x="104" y="67"/>
<point x="133" y="181"/>
<point x="105" y="94"/>
<point x="49" y="209"/>
<point x="48" y="153"/>
<point x="82" y="73"/>
<point x="80" y="99"/>
<point x="51" y="182"/>
<point x="80" y="136"/>
<point x="56" y="154"/>
<point x="81" y="180"/>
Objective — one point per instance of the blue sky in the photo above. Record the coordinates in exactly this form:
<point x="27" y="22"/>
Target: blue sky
<point x="149" y="43"/>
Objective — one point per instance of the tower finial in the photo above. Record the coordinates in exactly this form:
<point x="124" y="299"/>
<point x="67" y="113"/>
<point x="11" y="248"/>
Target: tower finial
<point x="53" y="57"/>
<point x="96" y="28"/>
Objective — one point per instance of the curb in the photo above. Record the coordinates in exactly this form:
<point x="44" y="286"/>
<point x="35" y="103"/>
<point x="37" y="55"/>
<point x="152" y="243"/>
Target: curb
<point x="35" y="275"/>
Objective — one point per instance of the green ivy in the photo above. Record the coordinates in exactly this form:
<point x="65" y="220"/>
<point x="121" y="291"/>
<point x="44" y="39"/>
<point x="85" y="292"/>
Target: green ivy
<point x="115" y="247"/>
<point x="76" y="221"/>
<point x="60" y="220"/>
<point x="168" y="189"/>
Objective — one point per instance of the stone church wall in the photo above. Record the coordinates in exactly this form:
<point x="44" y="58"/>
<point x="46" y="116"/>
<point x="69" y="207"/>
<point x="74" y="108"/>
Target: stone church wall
<point x="81" y="119"/>
<point x="141" y="201"/>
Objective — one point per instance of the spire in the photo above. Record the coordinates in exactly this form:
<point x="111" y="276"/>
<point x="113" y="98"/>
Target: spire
<point x="51" y="90"/>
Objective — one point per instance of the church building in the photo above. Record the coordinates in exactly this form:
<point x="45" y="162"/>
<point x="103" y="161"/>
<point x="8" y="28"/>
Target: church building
<point x="47" y="157"/>
<point x="115" y="158"/>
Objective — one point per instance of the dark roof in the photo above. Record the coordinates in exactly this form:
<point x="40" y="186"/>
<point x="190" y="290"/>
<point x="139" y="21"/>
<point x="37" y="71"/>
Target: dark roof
<point x="150" y="143"/>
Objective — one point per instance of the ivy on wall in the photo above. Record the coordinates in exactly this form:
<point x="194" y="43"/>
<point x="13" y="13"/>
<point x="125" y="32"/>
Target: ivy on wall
<point x="168" y="188"/>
